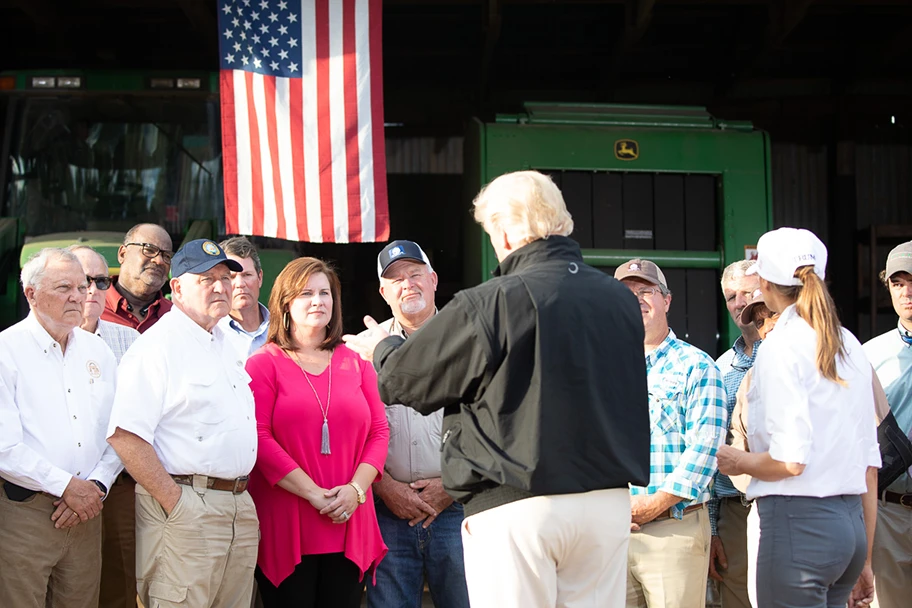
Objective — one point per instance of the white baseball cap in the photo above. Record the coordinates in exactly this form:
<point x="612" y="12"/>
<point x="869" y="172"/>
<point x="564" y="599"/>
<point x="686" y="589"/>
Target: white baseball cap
<point x="781" y="252"/>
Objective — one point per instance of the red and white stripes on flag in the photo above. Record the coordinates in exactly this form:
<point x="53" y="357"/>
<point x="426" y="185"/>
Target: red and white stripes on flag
<point x="302" y="119"/>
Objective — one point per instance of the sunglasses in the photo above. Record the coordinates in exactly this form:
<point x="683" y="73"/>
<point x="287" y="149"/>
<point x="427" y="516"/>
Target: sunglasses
<point x="150" y="251"/>
<point x="101" y="283"/>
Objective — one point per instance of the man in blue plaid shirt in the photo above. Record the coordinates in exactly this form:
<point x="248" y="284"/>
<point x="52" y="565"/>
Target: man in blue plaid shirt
<point x="728" y="509"/>
<point x="668" y="554"/>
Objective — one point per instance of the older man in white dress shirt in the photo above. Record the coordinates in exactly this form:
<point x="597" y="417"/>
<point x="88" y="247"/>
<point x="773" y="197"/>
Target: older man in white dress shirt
<point x="56" y="390"/>
<point x="183" y="422"/>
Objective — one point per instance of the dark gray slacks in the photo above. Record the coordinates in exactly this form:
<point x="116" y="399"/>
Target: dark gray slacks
<point x="811" y="550"/>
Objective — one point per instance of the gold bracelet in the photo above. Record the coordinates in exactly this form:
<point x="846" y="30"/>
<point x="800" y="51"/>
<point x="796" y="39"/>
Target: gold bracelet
<point x="361" y="496"/>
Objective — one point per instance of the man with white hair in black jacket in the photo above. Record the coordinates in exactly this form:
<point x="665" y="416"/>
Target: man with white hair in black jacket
<point x="541" y="378"/>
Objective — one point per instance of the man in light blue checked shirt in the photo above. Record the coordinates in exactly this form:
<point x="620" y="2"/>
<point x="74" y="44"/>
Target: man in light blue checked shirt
<point x="728" y="509"/>
<point x="668" y="554"/>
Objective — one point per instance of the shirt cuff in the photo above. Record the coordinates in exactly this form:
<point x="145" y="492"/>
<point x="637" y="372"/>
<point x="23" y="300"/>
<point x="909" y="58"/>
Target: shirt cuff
<point x="789" y="451"/>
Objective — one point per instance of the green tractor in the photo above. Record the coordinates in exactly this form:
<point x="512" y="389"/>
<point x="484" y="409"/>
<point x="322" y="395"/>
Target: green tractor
<point x="88" y="155"/>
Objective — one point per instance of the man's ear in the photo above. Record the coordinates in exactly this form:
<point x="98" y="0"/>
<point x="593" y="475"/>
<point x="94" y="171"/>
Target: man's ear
<point x="120" y="254"/>
<point x="30" y="295"/>
<point x="175" y="288"/>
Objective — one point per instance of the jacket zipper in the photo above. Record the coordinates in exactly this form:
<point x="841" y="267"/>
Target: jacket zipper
<point x="445" y="437"/>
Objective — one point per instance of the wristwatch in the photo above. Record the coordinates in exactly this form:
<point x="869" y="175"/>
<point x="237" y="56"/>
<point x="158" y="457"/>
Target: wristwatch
<point x="361" y="496"/>
<point x="101" y="486"/>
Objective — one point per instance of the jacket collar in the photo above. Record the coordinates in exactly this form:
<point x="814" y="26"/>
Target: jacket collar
<point x="539" y="251"/>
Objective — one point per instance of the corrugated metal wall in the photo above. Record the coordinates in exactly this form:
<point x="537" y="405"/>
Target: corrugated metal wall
<point x="882" y="174"/>
<point x="800" y="187"/>
<point x="424" y="155"/>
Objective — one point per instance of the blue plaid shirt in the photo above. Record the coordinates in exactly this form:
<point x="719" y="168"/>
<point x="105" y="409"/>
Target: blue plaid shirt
<point x="733" y="364"/>
<point x="688" y="422"/>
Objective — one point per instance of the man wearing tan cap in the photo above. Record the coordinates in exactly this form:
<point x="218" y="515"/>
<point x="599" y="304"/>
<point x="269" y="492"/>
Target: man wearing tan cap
<point x="668" y="555"/>
<point x="891" y="356"/>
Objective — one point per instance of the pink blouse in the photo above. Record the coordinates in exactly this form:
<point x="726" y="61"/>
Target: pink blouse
<point x="289" y="425"/>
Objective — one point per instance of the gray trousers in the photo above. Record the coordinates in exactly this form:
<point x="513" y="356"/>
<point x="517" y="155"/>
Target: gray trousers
<point x="811" y="550"/>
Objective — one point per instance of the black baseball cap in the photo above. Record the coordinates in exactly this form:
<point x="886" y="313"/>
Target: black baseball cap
<point x="399" y="250"/>
<point x="196" y="257"/>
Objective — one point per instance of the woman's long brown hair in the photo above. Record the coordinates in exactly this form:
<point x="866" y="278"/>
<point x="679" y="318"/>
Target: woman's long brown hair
<point x="815" y="305"/>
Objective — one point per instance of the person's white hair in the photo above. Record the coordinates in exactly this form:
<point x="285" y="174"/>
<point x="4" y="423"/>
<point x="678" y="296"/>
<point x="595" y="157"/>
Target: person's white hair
<point x="526" y="205"/>
<point x="34" y="269"/>
<point x="735" y="270"/>
<point x="74" y="248"/>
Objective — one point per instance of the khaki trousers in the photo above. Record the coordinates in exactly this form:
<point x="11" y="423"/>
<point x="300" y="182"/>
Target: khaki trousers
<point x="667" y="563"/>
<point x="892" y="556"/>
<point x="41" y="566"/>
<point x="202" y="554"/>
<point x="564" y="550"/>
<point x="732" y="527"/>
<point x="118" y="546"/>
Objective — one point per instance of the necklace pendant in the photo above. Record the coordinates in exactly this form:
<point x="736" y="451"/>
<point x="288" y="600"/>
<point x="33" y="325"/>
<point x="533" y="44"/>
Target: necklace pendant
<point x="324" y="443"/>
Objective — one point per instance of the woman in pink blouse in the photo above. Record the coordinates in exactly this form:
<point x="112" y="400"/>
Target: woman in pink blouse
<point x="322" y="441"/>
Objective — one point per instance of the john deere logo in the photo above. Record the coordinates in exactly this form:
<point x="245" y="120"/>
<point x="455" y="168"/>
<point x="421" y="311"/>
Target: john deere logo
<point x="626" y="149"/>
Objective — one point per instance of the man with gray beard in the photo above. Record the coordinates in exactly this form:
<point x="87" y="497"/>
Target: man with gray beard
<point x="418" y="520"/>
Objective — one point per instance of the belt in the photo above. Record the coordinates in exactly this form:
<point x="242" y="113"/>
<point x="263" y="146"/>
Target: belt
<point x="235" y="486"/>
<point x="741" y="498"/>
<point x="668" y="514"/>
<point x="898" y="499"/>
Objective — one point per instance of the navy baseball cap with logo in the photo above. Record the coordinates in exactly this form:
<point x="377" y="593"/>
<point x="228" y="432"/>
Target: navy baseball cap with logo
<point x="399" y="250"/>
<point x="196" y="257"/>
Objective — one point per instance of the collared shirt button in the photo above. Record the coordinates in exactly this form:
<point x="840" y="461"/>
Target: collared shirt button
<point x="199" y="438"/>
<point x="74" y="417"/>
<point x="69" y="391"/>
<point x="79" y="444"/>
<point x="78" y="473"/>
<point x="414" y="443"/>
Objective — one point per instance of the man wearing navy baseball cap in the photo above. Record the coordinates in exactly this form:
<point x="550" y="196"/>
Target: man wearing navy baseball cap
<point x="183" y="423"/>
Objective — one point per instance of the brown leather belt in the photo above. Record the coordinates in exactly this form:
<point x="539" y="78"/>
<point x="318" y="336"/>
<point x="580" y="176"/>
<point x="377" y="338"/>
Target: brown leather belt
<point x="898" y="499"/>
<point x="235" y="486"/>
<point x="668" y="514"/>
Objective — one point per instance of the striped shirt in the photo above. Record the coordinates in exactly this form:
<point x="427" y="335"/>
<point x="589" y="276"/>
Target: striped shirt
<point x="688" y="422"/>
<point x="118" y="337"/>
<point x="733" y="364"/>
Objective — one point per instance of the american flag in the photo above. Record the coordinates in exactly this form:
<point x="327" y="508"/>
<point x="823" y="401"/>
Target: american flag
<point x="302" y="119"/>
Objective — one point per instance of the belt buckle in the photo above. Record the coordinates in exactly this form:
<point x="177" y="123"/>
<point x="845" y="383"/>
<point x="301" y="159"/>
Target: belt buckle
<point x="902" y="500"/>
<point x="199" y="483"/>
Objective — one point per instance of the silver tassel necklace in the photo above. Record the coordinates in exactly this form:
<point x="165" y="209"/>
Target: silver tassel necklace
<point x="324" y="438"/>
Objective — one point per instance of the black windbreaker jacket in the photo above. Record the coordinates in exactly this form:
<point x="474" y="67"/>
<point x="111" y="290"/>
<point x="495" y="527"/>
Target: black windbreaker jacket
<point x="542" y="375"/>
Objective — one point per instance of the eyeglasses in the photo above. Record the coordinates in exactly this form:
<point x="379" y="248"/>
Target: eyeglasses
<point x="150" y="251"/>
<point x="101" y="283"/>
<point x="646" y="292"/>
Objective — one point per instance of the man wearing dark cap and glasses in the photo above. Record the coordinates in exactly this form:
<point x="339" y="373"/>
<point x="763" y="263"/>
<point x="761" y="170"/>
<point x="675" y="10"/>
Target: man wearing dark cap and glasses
<point x="183" y="423"/>
<point x="137" y="300"/>
<point x="669" y="548"/>
<point x="891" y="356"/>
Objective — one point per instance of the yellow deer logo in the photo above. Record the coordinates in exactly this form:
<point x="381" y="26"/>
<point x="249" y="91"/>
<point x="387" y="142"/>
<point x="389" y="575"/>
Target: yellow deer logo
<point x="626" y="149"/>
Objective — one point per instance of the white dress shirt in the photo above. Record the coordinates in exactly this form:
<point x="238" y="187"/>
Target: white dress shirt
<point x="184" y="390"/>
<point x="414" y="444"/>
<point x="799" y="416"/>
<point x="54" y="408"/>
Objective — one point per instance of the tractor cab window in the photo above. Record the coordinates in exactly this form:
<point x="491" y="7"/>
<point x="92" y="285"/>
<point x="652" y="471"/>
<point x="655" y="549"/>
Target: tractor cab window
<point x="106" y="162"/>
